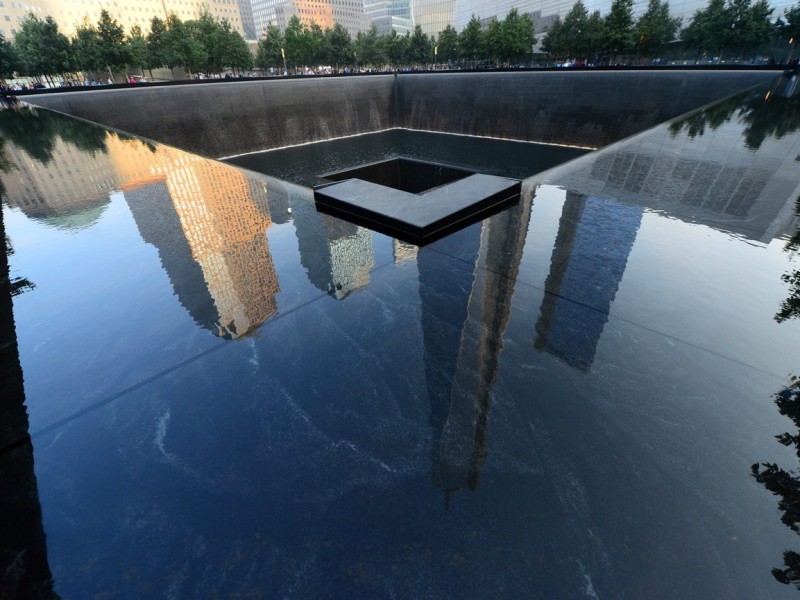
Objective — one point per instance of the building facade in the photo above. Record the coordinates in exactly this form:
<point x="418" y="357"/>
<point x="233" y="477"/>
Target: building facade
<point x="70" y="14"/>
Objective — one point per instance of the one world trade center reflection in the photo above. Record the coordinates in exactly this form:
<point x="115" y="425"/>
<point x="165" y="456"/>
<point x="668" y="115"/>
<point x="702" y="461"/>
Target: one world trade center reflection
<point x="589" y="258"/>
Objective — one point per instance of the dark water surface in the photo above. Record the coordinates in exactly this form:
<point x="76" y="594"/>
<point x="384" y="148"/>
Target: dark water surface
<point x="229" y="394"/>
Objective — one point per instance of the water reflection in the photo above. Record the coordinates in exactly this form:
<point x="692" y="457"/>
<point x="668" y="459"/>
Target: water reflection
<point x="786" y="484"/>
<point x="24" y="569"/>
<point x="209" y="231"/>
<point x="465" y="313"/>
<point x="338" y="256"/>
<point x="591" y="251"/>
<point x="790" y="308"/>
<point x="765" y="113"/>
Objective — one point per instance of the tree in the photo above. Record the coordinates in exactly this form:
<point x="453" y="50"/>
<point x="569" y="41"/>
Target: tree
<point x="394" y="47"/>
<point x="369" y="48"/>
<point x="237" y="53"/>
<point x="9" y="62"/>
<point x="294" y="41"/>
<point x="137" y="49"/>
<point x="157" y="50"/>
<point x="656" y="27"/>
<point x="708" y="28"/>
<point x="517" y="37"/>
<point x="339" y="45"/>
<point x="447" y="45"/>
<point x="182" y="46"/>
<point x="578" y="36"/>
<point x="111" y="43"/>
<point x="472" y="41"/>
<point x="315" y="45"/>
<point x="86" y="48"/>
<point x="269" y="49"/>
<point x="42" y="49"/>
<point x="789" y="26"/>
<point x="420" y="48"/>
<point x="618" y="31"/>
<point x="734" y="25"/>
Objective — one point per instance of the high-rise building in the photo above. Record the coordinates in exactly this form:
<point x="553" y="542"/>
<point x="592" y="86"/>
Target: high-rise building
<point x="388" y="15"/>
<point x="348" y="13"/>
<point x="70" y="14"/>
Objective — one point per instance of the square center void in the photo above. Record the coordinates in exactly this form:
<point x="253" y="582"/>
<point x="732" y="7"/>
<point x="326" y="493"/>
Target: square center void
<point x="414" y="200"/>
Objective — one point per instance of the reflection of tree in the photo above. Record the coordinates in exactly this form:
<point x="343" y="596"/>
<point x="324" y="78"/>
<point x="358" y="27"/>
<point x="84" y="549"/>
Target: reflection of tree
<point x="35" y="131"/>
<point x="765" y="114"/>
<point x="784" y="484"/>
<point x="790" y="308"/>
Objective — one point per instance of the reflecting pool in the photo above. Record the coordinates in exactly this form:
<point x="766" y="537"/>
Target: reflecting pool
<point x="213" y="390"/>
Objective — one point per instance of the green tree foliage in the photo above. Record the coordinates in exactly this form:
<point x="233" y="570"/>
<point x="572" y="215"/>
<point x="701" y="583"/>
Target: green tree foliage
<point x="656" y="27"/>
<point x="137" y="48"/>
<point x="268" y="54"/>
<point x="157" y="50"/>
<point x="368" y="48"/>
<point x="86" y="48"/>
<point x="111" y="37"/>
<point x="619" y="36"/>
<point x="394" y="47"/>
<point x="338" y="46"/>
<point x="9" y="62"/>
<point x="511" y="40"/>
<point x="182" y="45"/>
<point x="518" y="37"/>
<point x="577" y="36"/>
<point x="789" y="25"/>
<point x="729" y="26"/>
<point x="420" y="47"/>
<point x="295" y="42"/>
<point x="447" y="45"/>
<point x="472" y="44"/>
<point x="42" y="49"/>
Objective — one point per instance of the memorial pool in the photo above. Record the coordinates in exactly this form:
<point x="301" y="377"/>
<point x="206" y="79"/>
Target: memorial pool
<point x="216" y="391"/>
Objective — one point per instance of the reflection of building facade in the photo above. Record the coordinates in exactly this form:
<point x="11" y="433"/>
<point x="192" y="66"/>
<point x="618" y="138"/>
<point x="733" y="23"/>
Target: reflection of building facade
<point x="337" y="255"/>
<point x="71" y="189"/>
<point x="464" y="316"/>
<point x="708" y="173"/>
<point x="591" y="252"/>
<point x="223" y="228"/>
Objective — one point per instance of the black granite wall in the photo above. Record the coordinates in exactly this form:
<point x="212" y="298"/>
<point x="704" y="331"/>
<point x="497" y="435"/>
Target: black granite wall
<point x="585" y="108"/>
<point x="237" y="117"/>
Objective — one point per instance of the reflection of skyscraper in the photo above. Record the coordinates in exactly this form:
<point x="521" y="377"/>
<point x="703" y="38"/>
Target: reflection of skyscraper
<point x="464" y="316"/>
<point x="591" y="251"/>
<point x="159" y="225"/>
<point x="24" y="570"/>
<point x="223" y="231"/>
<point x="337" y="255"/>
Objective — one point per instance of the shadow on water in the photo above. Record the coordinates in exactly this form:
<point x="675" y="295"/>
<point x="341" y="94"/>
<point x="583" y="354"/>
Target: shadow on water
<point x="24" y="568"/>
<point x="767" y="111"/>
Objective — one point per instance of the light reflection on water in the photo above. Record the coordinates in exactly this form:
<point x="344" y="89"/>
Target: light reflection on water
<point x="595" y="360"/>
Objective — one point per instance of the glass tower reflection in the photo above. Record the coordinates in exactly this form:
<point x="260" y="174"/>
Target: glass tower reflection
<point x="591" y="251"/>
<point x="464" y="317"/>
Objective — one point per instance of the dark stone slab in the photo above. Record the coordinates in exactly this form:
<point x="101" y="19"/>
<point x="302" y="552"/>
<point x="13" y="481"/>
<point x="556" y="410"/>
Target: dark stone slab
<point x="418" y="218"/>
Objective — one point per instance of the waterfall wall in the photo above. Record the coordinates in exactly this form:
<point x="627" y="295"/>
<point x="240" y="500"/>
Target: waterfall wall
<point x="585" y="108"/>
